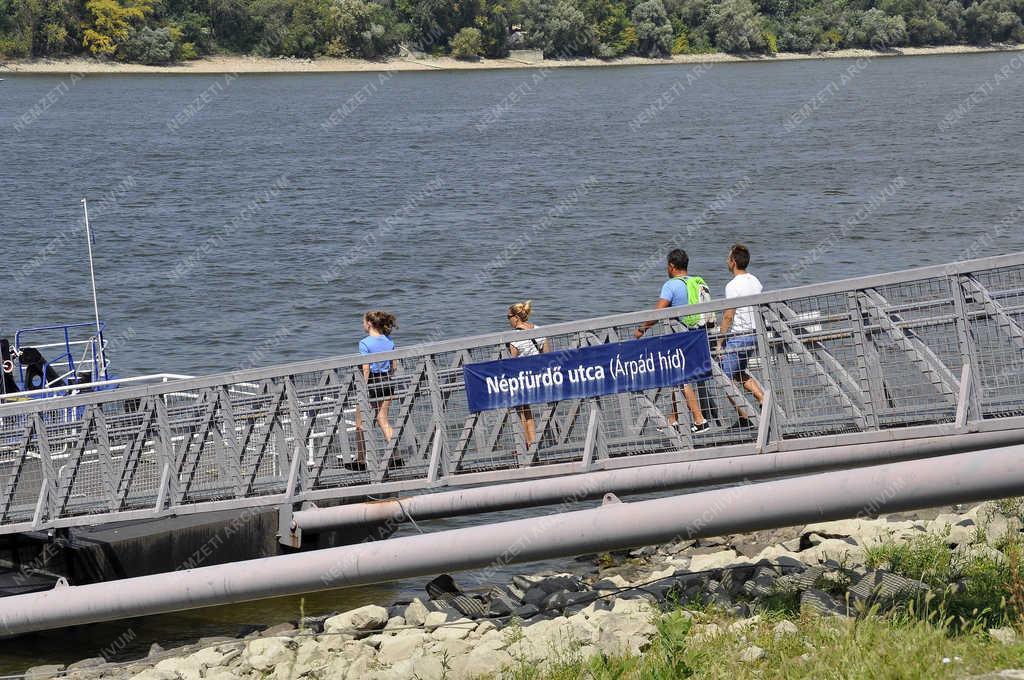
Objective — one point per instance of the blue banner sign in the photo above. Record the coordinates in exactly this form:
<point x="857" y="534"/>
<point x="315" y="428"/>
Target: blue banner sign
<point x="662" y="361"/>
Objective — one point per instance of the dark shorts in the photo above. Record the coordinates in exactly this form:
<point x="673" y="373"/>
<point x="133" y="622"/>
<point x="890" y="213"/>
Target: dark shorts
<point x="737" y="355"/>
<point x="379" y="386"/>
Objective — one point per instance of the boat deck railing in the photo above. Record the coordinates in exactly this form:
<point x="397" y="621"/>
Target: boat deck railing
<point x="925" y="352"/>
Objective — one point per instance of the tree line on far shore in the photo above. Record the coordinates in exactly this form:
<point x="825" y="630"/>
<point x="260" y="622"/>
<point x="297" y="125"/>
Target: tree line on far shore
<point x="166" y="31"/>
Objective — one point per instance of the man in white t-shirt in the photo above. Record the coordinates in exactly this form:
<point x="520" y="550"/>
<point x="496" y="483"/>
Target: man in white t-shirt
<point x="739" y="330"/>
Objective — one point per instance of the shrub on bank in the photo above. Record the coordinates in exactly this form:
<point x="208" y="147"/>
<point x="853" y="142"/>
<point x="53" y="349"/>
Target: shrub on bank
<point x="653" y="30"/>
<point x="468" y="44"/>
<point x="737" y="26"/>
<point x="148" y="46"/>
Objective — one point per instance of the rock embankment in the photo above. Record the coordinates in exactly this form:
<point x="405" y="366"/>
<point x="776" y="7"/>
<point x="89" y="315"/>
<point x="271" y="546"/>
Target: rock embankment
<point x="610" y="608"/>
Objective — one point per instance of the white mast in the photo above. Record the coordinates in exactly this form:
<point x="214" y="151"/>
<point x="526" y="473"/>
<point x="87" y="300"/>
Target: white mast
<point x="101" y="370"/>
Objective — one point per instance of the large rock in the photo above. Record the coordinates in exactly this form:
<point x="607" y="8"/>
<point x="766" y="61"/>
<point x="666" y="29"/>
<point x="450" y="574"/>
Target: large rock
<point x="784" y="628"/>
<point x="278" y="630"/>
<point x="742" y="625"/>
<point x="792" y="544"/>
<point x="541" y="640"/>
<point x="958" y="534"/>
<point x="705" y="631"/>
<point x="373" y="640"/>
<point x="667" y="572"/>
<point x="945" y="519"/>
<point x="456" y="630"/>
<point x="580" y="628"/>
<point x="182" y="668"/>
<point x="91" y="662"/>
<point x="751" y="654"/>
<point x="370" y="617"/>
<point x="777" y="554"/>
<point x="678" y="546"/>
<point x="842" y="527"/>
<point x="626" y="632"/>
<point x="422" y="667"/>
<point x="865" y="532"/>
<point x="716" y="560"/>
<point x="400" y="647"/>
<point x="44" y="672"/>
<point x="263" y="654"/>
<point x="213" y="657"/>
<point x="484" y="627"/>
<point x="837" y="549"/>
<point x="1006" y="636"/>
<point x="435" y="619"/>
<point x="632" y="607"/>
<point x="220" y="674"/>
<point x="613" y="582"/>
<point x="481" y="662"/>
<point x="978" y="551"/>
<point x="148" y="674"/>
<point x="451" y="648"/>
<point x="997" y="527"/>
<point x="358" y="669"/>
<point x="524" y="581"/>
<point x="416" y="613"/>
<point x="309" y="656"/>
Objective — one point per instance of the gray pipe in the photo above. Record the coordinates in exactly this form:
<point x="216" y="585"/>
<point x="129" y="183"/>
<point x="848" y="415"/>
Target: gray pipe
<point x="995" y="473"/>
<point x="642" y="479"/>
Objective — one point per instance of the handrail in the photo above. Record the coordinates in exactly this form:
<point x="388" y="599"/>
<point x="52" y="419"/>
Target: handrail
<point x="163" y="377"/>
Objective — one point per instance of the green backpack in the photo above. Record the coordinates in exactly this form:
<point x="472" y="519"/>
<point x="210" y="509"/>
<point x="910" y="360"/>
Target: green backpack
<point x="697" y="291"/>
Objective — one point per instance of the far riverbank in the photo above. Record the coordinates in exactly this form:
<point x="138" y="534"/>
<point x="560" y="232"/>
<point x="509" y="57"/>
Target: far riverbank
<point x="251" y="64"/>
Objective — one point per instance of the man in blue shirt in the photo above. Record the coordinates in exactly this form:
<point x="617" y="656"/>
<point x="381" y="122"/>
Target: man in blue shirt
<point x="676" y="293"/>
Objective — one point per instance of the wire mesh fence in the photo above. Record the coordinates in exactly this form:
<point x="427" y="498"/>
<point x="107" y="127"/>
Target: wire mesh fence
<point x="834" y="360"/>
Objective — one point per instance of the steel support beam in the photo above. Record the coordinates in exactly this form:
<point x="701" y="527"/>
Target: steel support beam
<point x="917" y="353"/>
<point x="830" y="384"/>
<point x="1006" y="323"/>
<point x="644" y="479"/>
<point x="994" y="473"/>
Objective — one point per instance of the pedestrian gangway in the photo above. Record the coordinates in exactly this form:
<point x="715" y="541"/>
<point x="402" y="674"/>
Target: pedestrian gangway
<point x="925" y="352"/>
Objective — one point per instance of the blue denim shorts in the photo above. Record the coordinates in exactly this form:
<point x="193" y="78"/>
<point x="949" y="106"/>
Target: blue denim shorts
<point x="737" y="354"/>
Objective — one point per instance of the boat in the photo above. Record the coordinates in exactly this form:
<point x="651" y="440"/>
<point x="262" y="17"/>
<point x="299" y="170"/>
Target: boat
<point x="59" y="360"/>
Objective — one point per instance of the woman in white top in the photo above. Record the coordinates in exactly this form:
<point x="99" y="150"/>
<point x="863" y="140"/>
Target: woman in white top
<point x="518" y="318"/>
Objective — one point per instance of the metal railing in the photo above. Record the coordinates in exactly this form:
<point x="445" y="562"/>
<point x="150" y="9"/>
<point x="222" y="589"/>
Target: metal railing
<point x="925" y="352"/>
<point x="65" y="339"/>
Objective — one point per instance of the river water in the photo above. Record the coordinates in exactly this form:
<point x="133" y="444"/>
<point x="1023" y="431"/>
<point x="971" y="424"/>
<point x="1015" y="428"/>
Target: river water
<point x="250" y="220"/>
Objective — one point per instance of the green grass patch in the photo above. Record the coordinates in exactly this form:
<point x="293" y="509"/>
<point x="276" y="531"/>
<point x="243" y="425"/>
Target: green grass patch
<point x="874" y="647"/>
<point x="972" y="587"/>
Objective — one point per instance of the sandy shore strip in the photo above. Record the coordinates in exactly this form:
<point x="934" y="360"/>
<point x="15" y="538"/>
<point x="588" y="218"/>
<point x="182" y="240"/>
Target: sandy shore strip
<point x="249" y="64"/>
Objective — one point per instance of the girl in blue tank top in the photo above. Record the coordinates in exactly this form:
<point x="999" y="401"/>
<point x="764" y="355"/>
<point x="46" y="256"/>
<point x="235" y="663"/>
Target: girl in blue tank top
<point x="377" y="374"/>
